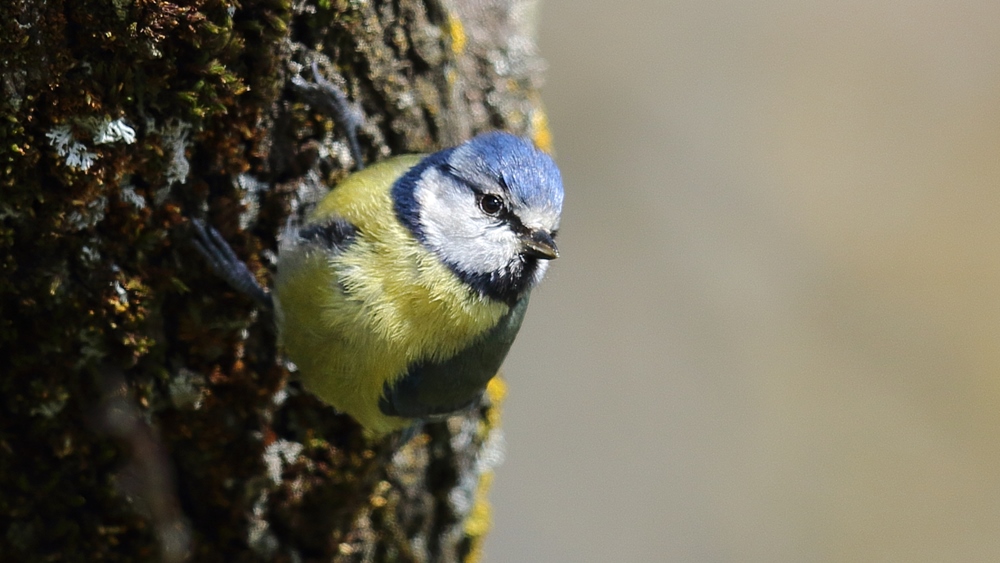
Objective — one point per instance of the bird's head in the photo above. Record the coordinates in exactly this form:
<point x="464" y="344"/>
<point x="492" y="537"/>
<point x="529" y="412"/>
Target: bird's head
<point x="489" y="209"/>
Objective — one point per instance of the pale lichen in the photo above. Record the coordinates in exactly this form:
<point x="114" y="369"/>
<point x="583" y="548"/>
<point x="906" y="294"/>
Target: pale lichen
<point x="102" y="131"/>
<point x="251" y="188"/>
<point x="278" y="454"/>
<point x="87" y="215"/>
<point x="53" y="406"/>
<point x="127" y="193"/>
<point x="187" y="389"/>
<point x="69" y="148"/>
<point x="259" y="535"/>
<point x="174" y="140"/>
<point x="175" y="135"/>
<point x="106" y="131"/>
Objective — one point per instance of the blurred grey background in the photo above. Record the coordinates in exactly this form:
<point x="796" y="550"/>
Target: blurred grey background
<point x="773" y="333"/>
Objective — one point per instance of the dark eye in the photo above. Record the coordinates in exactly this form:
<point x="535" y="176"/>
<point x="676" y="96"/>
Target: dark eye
<point x="490" y="204"/>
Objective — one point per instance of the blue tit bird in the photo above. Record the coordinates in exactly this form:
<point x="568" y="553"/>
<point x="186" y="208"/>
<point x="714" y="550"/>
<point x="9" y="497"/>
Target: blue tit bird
<point x="401" y="294"/>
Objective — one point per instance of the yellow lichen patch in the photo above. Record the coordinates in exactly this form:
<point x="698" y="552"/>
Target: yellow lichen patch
<point x="540" y="132"/>
<point x="480" y="519"/>
<point x="457" y="32"/>
<point x="496" y="390"/>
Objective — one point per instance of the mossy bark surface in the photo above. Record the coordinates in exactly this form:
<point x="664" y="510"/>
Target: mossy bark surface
<point x="145" y="412"/>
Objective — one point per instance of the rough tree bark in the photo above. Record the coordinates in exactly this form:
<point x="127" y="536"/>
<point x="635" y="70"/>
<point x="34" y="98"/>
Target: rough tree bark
<point x="145" y="412"/>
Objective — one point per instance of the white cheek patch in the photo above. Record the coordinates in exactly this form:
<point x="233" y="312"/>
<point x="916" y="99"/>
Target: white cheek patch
<point x="458" y="231"/>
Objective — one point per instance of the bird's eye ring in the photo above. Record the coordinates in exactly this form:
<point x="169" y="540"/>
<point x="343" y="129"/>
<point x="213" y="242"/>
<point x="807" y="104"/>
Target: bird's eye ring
<point x="490" y="204"/>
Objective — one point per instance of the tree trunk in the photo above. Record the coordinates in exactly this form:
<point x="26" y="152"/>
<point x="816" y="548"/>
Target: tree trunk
<point x="146" y="411"/>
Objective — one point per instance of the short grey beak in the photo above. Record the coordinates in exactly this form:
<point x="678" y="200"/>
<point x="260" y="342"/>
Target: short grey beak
<point x="539" y="244"/>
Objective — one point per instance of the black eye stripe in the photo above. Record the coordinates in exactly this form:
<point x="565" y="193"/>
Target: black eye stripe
<point x="506" y="214"/>
<point x="514" y="221"/>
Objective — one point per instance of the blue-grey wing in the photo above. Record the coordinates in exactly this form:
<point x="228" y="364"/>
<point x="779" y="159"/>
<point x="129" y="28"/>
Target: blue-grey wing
<point x="430" y="389"/>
